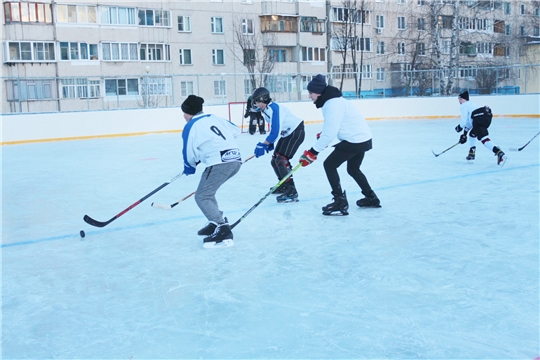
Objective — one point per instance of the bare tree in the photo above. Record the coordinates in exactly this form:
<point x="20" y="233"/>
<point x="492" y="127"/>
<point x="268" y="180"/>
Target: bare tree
<point x="255" y="52"/>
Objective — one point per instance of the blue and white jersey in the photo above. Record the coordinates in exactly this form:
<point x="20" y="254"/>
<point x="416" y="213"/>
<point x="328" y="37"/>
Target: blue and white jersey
<point x="342" y="120"/>
<point x="210" y="139"/>
<point x="282" y="121"/>
<point x="466" y="110"/>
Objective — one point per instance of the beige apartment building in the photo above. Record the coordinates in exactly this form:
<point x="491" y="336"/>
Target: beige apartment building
<point x="78" y="55"/>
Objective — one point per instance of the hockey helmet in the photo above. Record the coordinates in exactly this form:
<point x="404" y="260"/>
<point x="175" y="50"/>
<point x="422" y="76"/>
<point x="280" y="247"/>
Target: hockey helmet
<point x="261" y="95"/>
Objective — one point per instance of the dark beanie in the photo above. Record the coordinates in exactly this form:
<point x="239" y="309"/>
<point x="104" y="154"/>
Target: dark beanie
<point x="464" y="95"/>
<point x="317" y="85"/>
<point x="192" y="105"/>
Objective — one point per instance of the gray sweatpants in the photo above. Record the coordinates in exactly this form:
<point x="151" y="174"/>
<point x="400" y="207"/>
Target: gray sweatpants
<point x="212" y="178"/>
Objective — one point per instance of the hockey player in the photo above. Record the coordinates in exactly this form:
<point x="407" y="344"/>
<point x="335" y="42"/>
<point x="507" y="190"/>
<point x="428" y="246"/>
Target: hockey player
<point x="344" y="121"/>
<point x="255" y="118"/>
<point x="210" y="139"/>
<point x="288" y="131"/>
<point x="475" y="121"/>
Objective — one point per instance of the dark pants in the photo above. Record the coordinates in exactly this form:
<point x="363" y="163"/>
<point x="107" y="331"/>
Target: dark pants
<point x="285" y="149"/>
<point x="256" y="119"/>
<point x="481" y="120"/>
<point x="353" y="154"/>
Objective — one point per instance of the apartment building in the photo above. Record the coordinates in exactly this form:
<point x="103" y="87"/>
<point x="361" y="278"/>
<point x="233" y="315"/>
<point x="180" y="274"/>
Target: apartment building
<point x="105" y="54"/>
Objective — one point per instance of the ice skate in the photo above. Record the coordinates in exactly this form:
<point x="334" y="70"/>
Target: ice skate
<point x="370" y="201"/>
<point x="289" y="194"/>
<point x="209" y="228"/>
<point x="221" y="233"/>
<point x="472" y="155"/>
<point x="501" y="157"/>
<point x="339" y="206"/>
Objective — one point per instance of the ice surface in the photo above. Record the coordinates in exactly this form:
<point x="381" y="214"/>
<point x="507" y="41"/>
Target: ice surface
<point x="448" y="268"/>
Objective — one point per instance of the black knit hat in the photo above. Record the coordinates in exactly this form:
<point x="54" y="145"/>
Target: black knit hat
<point x="192" y="105"/>
<point x="317" y="85"/>
<point x="464" y="95"/>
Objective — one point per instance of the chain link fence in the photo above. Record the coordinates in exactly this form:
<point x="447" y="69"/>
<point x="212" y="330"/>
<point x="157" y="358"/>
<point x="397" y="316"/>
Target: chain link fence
<point x="61" y="94"/>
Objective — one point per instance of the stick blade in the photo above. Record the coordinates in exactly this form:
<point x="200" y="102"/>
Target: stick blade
<point x="87" y="219"/>
<point x="514" y="149"/>
<point x="434" y="153"/>
<point x="161" y="206"/>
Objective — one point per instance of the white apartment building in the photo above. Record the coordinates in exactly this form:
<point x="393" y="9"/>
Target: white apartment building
<point x="78" y="55"/>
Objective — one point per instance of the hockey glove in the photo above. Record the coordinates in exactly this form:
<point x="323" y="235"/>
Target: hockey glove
<point x="319" y="135"/>
<point x="459" y="128"/>
<point x="261" y="149"/>
<point x="189" y="170"/>
<point x="308" y="157"/>
<point x="463" y="138"/>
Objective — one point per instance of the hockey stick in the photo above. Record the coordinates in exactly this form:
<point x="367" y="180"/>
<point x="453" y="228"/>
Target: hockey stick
<point x="96" y="223"/>
<point x="169" y="207"/>
<point x="444" y="150"/>
<point x="528" y="142"/>
<point x="267" y="194"/>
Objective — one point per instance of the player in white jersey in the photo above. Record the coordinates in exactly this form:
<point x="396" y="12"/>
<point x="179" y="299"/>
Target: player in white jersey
<point x="211" y="140"/>
<point x="285" y="129"/>
<point x="475" y="121"/>
<point x="344" y="121"/>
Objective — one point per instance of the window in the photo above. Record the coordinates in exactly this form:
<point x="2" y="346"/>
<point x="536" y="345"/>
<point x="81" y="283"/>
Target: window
<point x="155" y="52"/>
<point x="380" y="47"/>
<point x="507" y="8"/>
<point x="219" y="88"/>
<point x="381" y="75"/>
<point x="27" y="12"/>
<point x="78" y="51"/>
<point x="507" y="30"/>
<point x="421" y="49"/>
<point x="445" y="21"/>
<point x="247" y="27"/>
<point x="501" y="50"/>
<point x="421" y="24"/>
<point x="313" y="54"/>
<point x="155" y="18"/>
<point x="278" y="55"/>
<point x="367" y="72"/>
<point x="379" y="21"/>
<point x="184" y="23"/>
<point x="249" y="57"/>
<point x="312" y="24"/>
<point x="402" y="23"/>
<point x="350" y="15"/>
<point x="484" y="48"/>
<point x="218" y="57"/>
<point x="467" y="48"/>
<point x="536" y="31"/>
<point x="401" y="1"/>
<point x="29" y="51"/>
<point x="121" y="87"/>
<point x="186" y="88"/>
<point x="81" y="14"/>
<point x="522" y="9"/>
<point x="278" y="84"/>
<point x="79" y="88"/>
<point x="347" y="72"/>
<point x="23" y="90"/>
<point x="422" y="2"/>
<point x="445" y="46"/>
<point x="185" y="57"/>
<point x="401" y="48"/>
<point x="363" y="44"/>
<point x="119" y="51"/>
<point x="522" y="31"/>
<point x="279" y="23"/>
<point x="217" y="25"/>
<point x="156" y="85"/>
<point x="467" y="72"/>
<point x="115" y="15"/>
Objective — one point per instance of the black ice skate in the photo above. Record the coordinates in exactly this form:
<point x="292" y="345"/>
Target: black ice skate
<point x="280" y="190"/>
<point x="289" y="194"/>
<point x="501" y="157"/>
<point x="221" y="233"/>
<point x="339" y="206"/>
<point x="209" y="228"/>
<point x="370" y="201"/>
<point x="472" y="153"/>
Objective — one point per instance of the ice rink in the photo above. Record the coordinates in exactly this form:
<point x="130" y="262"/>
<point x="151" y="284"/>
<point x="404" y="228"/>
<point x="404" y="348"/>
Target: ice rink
<point x="448" y="268"/>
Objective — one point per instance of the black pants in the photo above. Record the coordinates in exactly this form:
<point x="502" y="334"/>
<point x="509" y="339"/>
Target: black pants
<point x="285" y="149"/>
<point x="481" y="120"/>
<point x="353" y="154"/>
<point x="256" y="119"/>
